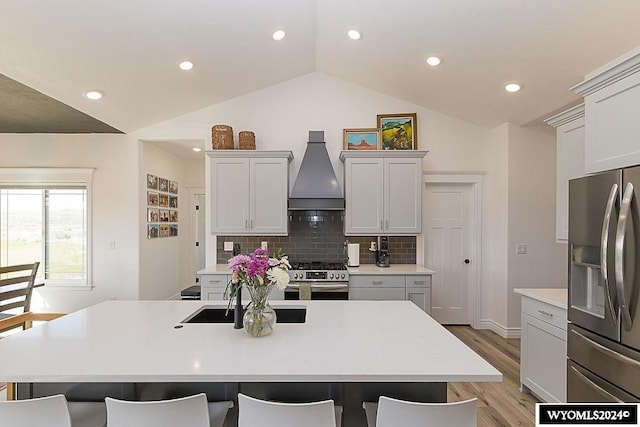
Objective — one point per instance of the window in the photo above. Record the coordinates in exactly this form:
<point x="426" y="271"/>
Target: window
<point x="45" y="217"/>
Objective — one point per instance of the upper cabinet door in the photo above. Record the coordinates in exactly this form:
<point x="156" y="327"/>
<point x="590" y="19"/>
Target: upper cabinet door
<point x="383" y="192"/>
<point x="229" y="200"/>
<point x="364" y="196"/>
<point x="403" y="196"/>
<point x="569" y="162"/>
<point x="268" y="194"/>
<point x="248" y="191"/>
<point x="612" y="129"/>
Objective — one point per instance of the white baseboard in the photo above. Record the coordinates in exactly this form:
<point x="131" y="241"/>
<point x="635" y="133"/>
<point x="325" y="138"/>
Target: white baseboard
<point x="503" y="331"/>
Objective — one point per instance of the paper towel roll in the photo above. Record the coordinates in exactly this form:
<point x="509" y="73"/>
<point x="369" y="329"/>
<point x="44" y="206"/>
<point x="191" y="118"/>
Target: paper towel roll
<point x="353" y="252"/>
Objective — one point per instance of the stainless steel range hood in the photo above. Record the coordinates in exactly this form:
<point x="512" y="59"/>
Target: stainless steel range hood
<point x="316" y="187"/>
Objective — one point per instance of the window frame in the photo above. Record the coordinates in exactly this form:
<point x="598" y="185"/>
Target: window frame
<point x="64" y="177"/>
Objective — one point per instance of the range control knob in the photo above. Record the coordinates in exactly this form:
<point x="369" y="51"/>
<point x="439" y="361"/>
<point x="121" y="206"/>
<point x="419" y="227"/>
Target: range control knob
<point x="331" y="276"/>
<point x="342" y="276"/>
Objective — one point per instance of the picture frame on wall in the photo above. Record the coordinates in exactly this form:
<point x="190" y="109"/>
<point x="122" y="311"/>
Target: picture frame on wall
<point x="173" y="216"/>
<point x="361" y="139"/>
<point x="164" y="215"/>
<point x="173" y="202"/>
<point x="152" y="182"/>
<point x="163" y="184"/>
<point x="152" y="215"/>
<point x="163" y="200"/>
<point x="173" y="230"/>
<point x="152" y="198"/>
<point x="153" y="231"/>
<point x="173" y="187"/>
<point x="398" y="131"/>
<point x="164" y="230"/>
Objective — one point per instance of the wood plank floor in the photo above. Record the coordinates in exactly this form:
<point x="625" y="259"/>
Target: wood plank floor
<point x="499" y="404"/>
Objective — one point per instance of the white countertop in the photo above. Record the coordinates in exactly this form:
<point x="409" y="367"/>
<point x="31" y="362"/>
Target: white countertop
<point x="341" y="341"/>
<point x="362" y="269"/>
<point x="215" y="269"/>
<point x="557" y="297"/>
<point x="406" y="269"/>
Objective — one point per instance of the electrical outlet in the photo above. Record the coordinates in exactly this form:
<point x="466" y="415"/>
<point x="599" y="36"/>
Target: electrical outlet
<point x="264" y="245"/>
<point x="521" y="248"/>
<point x="228" y="246"/>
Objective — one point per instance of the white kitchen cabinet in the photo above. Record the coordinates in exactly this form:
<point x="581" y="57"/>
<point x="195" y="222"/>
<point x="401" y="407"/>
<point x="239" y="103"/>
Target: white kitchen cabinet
<point x="612" y="129"/>
<point x="248" y="192"/>
<point x="569" y="162"/>
<point x="543" y="350"/>
<point x="212" y="286"/>
<point x="383" y="192"/>
<point x="396" y="287"/>
<point x="377" y="287"/>
<point x="418" y="290"/>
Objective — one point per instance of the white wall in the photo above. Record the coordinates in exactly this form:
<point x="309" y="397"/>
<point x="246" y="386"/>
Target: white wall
<point x="493" y="313"/>
<point x="115" y="209"/>
<point x="164" y="262"/>
<point x="532" y="214"/>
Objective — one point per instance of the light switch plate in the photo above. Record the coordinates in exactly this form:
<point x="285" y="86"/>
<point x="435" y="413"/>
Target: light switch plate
<point x="521" y="248"/>
<point x="228" y="246"/>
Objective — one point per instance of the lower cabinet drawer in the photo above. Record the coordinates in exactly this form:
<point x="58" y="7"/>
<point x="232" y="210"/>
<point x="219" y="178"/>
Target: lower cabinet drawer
<point x="377" y="294"/>
<point x="418" y="281"/>
<point x="545" y="312"/>
<point x="374" y="281"/>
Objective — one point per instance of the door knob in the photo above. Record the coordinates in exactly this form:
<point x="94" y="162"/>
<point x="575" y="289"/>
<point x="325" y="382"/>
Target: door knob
<point x="467" y="261"/>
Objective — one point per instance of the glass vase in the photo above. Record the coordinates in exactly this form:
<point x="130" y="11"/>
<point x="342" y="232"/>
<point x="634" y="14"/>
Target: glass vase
<point x="259" y="319"/>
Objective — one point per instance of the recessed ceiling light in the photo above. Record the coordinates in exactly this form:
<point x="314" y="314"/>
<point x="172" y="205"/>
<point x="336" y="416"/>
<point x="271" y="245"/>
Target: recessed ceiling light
<point x="512" y="87"/>
<point x="354" y="34"/>
<point x="197" y="149"/>
<point x="185" y="65"/>
<point x="278" y="35"/>
<point x="433" y="60"/>
<point x="94" y="95"/>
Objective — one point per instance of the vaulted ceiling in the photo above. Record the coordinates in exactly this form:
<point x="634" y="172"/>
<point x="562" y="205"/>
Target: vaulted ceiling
<point x="52" y="52"/>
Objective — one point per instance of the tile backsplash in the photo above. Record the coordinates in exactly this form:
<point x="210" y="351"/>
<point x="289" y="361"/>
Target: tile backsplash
<point x="319" y="236"/>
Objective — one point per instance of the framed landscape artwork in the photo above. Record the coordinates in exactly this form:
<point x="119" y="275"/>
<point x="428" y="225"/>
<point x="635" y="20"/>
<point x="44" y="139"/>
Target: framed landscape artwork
<point x="398" y="131"/>
<point x="361" y="139"/>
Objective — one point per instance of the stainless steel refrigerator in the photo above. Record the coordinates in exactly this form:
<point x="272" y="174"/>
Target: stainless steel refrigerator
<point x="603" y="345"/>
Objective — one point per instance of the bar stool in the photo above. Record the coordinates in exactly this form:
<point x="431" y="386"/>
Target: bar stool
<point x="391" y="412"/>
<point x="50" y="411"/>
<point x="255" y="412"/>
<point x="190" y="411"/>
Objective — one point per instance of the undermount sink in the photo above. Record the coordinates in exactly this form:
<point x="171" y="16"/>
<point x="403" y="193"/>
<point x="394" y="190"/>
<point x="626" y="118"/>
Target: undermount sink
<point x="219" y="314"/>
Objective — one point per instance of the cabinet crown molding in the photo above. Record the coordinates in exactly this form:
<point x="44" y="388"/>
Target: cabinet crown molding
<point x="250" y="153"/>
<point x="566" y="116"/>
<point x="345" y="154"/>
<point x="621" y="68"/>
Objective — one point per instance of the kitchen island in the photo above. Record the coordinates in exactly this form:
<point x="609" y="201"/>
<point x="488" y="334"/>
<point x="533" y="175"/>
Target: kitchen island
<point x="346" y="350"/>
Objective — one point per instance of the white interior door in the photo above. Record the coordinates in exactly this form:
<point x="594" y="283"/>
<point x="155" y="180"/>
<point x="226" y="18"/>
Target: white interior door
<point x="449" y="250"/>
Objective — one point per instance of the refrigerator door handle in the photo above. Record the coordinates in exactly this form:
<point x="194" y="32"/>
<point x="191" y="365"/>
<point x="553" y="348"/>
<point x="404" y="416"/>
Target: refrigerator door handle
<point x="593" y="386"/>
<point x="625" y="208"/>
<point x="604" y="243"/>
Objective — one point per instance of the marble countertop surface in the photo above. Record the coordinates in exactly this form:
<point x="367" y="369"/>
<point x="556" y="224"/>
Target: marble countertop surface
<point x="145" y="341"/>
<point x="554" y="296"/>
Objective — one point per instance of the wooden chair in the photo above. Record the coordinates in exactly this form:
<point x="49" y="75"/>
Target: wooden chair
<point x="16" y="288"/>
<point x="394" y="412"/>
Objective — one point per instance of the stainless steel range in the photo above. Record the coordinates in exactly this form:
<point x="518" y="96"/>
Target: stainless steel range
<point x="317" y="281"/>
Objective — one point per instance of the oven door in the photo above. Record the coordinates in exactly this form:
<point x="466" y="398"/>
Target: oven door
<point x="318" y="291"/>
